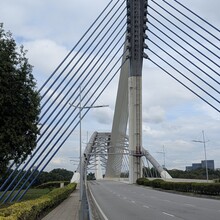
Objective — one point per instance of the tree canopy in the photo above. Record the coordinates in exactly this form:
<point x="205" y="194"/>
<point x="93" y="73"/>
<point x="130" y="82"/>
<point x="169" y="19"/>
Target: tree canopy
<point x="44" y="177"/>
<point x="19" y="103"/>
<point x="199" y="173"/>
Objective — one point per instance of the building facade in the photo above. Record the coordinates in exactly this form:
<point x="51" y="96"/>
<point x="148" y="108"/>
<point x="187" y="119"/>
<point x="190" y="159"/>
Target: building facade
<point x="210" y="165"/>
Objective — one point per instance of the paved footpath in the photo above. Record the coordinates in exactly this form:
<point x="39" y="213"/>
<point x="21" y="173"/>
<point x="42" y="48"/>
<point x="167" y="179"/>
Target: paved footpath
<point x="67" y="210"/>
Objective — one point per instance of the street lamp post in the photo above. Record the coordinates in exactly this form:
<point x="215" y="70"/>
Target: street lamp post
<point x="80" y="138"/>
<point x="204" y="144"/>
<point x="164" y="158"/>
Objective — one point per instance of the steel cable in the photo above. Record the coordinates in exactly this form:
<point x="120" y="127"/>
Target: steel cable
<point x="68" y="133"/>
<point x="180" y="81"/>
<point x="187" y="60"/>
<point x="84" y="62"/>
<point x="70" y="89"/>
<point x="191" y="30"/>
<point x="78" y="60"/>
<point x="183" y="74"/>
<point x="199" y="18"/>
<point x="182" y="38"/>
<point x="187" y="52"/>
<point x="9" y="178"/>
<point x="24" y="175"/>
<point x="76" y="46"/>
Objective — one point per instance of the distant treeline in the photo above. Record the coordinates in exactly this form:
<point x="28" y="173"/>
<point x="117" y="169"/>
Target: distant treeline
<point x="54" y="175"/>
<point x="194" y="174"/>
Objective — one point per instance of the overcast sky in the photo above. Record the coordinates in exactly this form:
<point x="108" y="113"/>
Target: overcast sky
<point x="172" y="116"/>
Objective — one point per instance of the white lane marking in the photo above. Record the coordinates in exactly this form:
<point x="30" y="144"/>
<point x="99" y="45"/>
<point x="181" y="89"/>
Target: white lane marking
<point x="165" y="200"/>
<point x="132" y="201"/>
<point x="124" y="197"/>
<point x="168" y="214"/>
<point x="145" y="206"/>
<point x="97" y="205"/>
<point x="187" y="204"/>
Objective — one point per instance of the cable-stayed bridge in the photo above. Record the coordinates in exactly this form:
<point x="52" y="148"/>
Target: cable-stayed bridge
<point x="126" y="33"/>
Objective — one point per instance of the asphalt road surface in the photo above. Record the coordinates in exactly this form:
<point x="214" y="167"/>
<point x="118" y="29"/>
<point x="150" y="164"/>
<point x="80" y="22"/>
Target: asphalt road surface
<point x="121" y="201"/>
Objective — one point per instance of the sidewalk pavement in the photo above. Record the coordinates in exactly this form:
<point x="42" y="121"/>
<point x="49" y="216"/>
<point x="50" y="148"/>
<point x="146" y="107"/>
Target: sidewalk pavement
<point x="67" y="210"/>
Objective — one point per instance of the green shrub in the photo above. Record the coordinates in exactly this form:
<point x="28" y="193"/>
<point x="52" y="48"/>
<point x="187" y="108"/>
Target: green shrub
<point x="183" y="187"/>
<point x="217" y="181"/>
<point x="206" y="188"/>
<point x="143" y="181"/>
<point x="198" y="188"/>
<point x="147" y="182"/>
<point x="156" y="183"/>
<point x="140" y="181"/>
<point x="167" y="185"/>
<point x="30" y="210"/>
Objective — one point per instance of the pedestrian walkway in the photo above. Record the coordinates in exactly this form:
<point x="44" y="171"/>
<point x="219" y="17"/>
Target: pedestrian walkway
<point x="67" y="210"/>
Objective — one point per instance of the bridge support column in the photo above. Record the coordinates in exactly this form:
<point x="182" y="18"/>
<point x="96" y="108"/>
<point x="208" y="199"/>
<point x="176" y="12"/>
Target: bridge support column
<point x="136" y="26"/>
<point x="135" y="127"/>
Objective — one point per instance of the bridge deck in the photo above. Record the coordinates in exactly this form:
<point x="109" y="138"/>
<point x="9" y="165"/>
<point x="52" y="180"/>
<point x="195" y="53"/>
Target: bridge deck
<point x="124" y="201"/>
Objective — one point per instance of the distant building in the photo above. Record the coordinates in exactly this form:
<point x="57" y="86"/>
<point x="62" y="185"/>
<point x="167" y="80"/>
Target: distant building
<point x="210" y="165"/>
<point x="196" y="166"/>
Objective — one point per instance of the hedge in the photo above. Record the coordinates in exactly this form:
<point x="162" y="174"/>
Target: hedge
<point x="32" y="209"/>
<point x="53" y="184"/>
<point x="217" y="181"/>
<point x="198" y="188"/>
<point x="156" y="183"/>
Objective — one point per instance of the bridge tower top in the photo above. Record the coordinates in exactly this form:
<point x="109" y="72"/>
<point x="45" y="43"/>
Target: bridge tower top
<point x="136" y="27"/>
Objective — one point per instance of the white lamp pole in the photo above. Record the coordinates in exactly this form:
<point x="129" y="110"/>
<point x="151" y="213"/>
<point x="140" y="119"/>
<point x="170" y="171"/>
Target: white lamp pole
<point x="80" y="138"/>
<point x="164" y="157"/>
<point x="204" y="144"/>
<point x="206" y="166"/>
<point x="80" y="146"/>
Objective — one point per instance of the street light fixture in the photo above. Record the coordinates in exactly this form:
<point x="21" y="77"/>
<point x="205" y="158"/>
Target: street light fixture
<point x="80" y="137"/>
<point x="204" y="144"/>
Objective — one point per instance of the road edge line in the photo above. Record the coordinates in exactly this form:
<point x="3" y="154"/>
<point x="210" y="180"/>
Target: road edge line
<point x="97" y="205"/>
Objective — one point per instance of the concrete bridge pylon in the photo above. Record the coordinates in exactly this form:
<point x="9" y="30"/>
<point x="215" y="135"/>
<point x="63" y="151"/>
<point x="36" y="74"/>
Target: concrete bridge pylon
<point x="128" y="108"/>
<point x="136" y="11"/>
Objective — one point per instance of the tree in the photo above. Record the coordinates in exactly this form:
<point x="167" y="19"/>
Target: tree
<point x="91" y="176"/>
<point x="19" y="103"/>
<point x="199" y="173"/>
<point x="44" y="177"/>
<point x="61" y="174"/>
